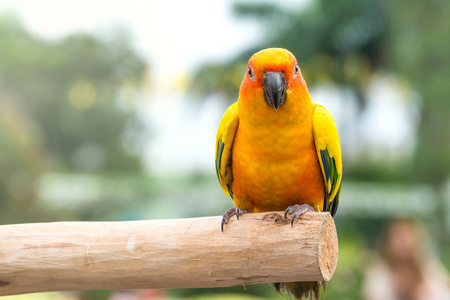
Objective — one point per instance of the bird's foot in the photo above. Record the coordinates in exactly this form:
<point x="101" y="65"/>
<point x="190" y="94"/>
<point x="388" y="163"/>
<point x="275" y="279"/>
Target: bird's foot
<point x="231" y="212"/>
<point x="297" y="210"/>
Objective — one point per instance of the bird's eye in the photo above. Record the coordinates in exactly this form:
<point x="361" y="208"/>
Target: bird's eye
<point x="250" y="73"/>
<point x="296" y="69"/>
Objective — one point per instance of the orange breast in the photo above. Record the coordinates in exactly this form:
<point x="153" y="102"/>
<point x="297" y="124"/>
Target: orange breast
<point x="274" y="168"/>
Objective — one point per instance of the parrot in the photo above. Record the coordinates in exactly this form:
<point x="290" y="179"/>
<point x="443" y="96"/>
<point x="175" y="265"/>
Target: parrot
<point x="276" y="149"/>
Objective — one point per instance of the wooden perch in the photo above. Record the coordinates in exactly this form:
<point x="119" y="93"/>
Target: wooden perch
<point x="179" y="253"/>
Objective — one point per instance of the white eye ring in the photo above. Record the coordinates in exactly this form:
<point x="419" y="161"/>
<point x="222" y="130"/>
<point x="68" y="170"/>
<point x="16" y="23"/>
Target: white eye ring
<point x="296" y="69"/>
<point x="251" y="74"/>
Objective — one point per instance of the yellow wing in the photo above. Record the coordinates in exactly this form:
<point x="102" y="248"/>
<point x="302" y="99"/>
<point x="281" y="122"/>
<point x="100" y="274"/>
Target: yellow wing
<point x="329" y="153"/>
<point x="224" y="146"/>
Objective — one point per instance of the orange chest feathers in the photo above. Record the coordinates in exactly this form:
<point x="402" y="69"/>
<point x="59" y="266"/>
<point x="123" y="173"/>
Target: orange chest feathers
<point x="274" y="168"/>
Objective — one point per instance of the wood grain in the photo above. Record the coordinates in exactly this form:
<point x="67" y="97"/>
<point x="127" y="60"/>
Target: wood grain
<point x="178" y="253"/>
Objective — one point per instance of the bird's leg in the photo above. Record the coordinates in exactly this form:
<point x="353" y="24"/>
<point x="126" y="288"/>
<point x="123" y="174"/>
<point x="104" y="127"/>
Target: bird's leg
<point x="297" y="210"/>
<point x="231" y="212"/>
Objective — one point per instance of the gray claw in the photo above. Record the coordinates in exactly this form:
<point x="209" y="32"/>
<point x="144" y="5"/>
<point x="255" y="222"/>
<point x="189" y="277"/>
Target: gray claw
<point x="297" y="210"/>
<point x="231" y="212"/>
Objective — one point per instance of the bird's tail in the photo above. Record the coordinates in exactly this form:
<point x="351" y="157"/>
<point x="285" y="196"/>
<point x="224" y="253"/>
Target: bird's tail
<point x="302" y="290"/>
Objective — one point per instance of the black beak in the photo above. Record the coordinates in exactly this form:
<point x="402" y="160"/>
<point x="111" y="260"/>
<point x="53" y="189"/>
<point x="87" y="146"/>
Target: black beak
<point x="274" y="89"/>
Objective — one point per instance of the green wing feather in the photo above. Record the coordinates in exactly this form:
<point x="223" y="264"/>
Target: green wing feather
<point x="329" y="153"/>
<point x="224" y="148"/>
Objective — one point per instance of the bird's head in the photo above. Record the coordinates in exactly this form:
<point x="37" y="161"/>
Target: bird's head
<point x="273" y="83"/>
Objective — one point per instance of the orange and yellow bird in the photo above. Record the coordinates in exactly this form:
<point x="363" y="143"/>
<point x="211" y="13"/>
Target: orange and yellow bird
<point x="278" y="150"/>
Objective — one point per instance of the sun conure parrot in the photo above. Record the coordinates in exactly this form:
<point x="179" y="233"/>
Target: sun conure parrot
<point x="278" y="150"/>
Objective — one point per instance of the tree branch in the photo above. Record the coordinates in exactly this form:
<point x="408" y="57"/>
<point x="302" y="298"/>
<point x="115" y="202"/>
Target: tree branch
<point x="179" y="253"/>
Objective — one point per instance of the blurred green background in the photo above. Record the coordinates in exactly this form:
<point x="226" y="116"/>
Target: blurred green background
<point x="111" y="114"/>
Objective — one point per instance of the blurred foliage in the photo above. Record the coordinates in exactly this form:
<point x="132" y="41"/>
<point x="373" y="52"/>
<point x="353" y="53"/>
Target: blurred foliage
<point x="346" y="43"/>
<point x="64" y="105"/>
<point x="22" y="160"/>
<point x="418" y="49"/>
<point x="254" y="291"/>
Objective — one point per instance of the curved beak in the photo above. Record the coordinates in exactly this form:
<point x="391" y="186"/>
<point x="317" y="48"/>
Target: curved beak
<point x="274" y="89"/>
